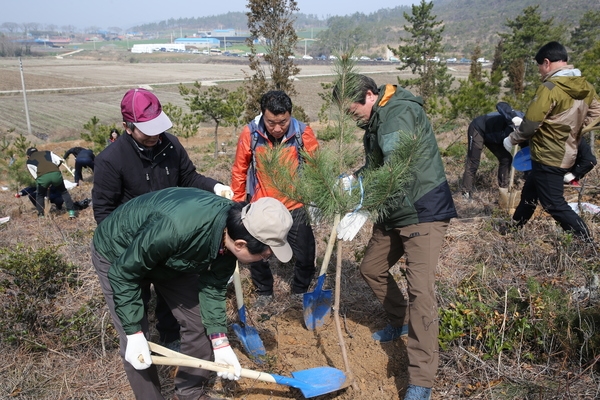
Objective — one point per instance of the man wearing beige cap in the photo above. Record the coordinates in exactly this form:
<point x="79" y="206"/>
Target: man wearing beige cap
<point x="146" y="159"/>
<point x="185" y="242"/>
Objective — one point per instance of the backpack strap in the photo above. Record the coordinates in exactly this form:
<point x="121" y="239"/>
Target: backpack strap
<point x="299" y="128"/>
<point x="251" y="179"/>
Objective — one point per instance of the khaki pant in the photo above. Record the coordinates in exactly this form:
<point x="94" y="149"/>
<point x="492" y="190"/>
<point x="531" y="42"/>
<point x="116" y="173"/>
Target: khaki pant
<point x="421" y="243"/>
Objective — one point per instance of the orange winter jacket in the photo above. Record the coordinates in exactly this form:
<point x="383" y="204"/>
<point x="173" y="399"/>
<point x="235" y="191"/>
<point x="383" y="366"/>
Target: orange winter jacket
<point x="245" y="182"/>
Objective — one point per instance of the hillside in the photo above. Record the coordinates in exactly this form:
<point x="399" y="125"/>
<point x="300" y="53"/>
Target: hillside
<point x="519" y="312"/>
<point x="466" y="21"/>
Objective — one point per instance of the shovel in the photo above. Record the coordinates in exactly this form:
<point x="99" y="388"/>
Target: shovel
<point x="245" y="333"/>
<point x="311" y="382"/>
<point x="509" y="197"/>
<point x="64" y="164"/>
<point x="317" y="304"/>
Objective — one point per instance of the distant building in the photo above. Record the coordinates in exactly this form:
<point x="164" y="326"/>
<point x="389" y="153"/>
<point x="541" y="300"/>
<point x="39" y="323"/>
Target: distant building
<point x="53" y="42"/>
<point x="224" y="32"/>
<point x="151" y="48"/>
<point x="203" y="42"/>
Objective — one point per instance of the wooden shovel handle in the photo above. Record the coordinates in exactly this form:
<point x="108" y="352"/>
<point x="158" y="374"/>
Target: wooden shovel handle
<point x="170" y="357"/>
<point x="237" y="284"/>
<point x="330" y="244"/>
<point x="512" y="168"/>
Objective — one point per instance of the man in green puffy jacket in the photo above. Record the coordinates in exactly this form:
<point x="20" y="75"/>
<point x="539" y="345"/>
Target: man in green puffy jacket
<point x="414" y="229"/>
<point x="563" y="104"/>
<point x="185" y="242"/>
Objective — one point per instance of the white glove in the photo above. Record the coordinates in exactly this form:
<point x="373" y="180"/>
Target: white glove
<point x="225" y="355"/>
<point x="137" y="346"/>
<point x="508" y="144"/>
<point x="569" y="177"/>
<point x="517" y="121"/>
<point x="351" y="224"/>
<point x="69" y="185"/>
<point x="348" y="182"/>
<point x="223" y="191"/>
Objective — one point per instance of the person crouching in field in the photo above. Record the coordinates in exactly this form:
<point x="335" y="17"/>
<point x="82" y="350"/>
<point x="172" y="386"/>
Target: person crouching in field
<point x="185" y="242"/>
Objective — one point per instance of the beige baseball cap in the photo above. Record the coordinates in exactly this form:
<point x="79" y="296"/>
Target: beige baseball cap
<point x="269" y="222"/>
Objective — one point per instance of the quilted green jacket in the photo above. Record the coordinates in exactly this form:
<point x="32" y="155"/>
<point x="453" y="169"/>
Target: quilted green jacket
<point x="159" y="235"/>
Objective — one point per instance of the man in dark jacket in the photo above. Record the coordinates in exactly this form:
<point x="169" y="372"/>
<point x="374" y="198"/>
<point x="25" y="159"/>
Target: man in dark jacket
<point x="145" y="159"/>
<point x="184" y="241"/>
<point x="415" y="228"/>
<point x="83" y="158"/>
<point x="43" y="166"/>
<point x="489" y="130"/>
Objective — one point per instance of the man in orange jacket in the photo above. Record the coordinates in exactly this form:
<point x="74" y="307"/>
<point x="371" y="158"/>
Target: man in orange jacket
<point x="276" y="127"/>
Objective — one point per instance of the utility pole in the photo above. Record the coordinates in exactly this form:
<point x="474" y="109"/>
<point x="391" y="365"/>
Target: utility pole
<point x="25" y="97"/>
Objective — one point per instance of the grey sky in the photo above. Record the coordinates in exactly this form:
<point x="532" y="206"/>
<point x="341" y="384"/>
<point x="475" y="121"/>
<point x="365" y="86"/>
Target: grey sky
<point x="128" y="13"/>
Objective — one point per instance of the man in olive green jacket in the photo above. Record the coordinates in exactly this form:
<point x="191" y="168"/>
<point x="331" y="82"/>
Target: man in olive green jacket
<point x="415" y="228"/>
<point x="563" y="104"/>
<point x="185" y="242"/>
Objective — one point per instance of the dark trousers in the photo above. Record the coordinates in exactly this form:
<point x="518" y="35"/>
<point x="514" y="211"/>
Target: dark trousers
<point x="167" y="325"/>
<point x="79" y="164"/>
<point x="476" y="143"/>
<point x="545" y="184"/>
<point x="302" y="241"/>
<point x="53" y="195"/>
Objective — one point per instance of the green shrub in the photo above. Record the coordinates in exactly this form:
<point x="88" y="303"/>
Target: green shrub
<point x="31" y="283"/>
<point x="455" y="150"/>
<point x="515" y="322"/>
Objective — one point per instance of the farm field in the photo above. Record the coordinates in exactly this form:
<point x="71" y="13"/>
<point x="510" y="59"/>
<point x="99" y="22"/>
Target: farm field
<point x="63" y="94"/>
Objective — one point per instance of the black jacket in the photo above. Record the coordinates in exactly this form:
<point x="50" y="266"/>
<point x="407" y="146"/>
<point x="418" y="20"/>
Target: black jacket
<point x="585" y="161"/>
<point x="493" y="127"/>
<point x="123" y="171"/>
<point x="81" y="153"/>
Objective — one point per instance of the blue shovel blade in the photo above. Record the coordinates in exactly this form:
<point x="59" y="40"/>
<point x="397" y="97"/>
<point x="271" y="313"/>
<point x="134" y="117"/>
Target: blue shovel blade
<point x="317" y="306"/>
<point x="249" y="337"/>
<point x="522" y="160"/>
<point x="315" y="381"/>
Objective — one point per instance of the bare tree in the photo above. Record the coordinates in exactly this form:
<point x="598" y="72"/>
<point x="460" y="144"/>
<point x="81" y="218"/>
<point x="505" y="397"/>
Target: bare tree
<point x="29" y="27"/>
<point x="271" y="23"/>
<point x="10" y="27"/>
<point x="68" y="29"/>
